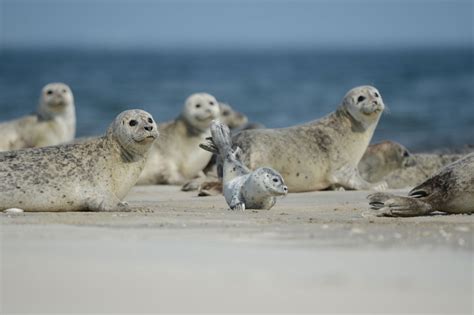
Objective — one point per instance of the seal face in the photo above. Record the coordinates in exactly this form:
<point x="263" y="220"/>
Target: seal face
<point x="451" y="190"/>
<point x="93" y="175"/>
<point x="321" y="153"/>
<point x="176" y="158"/>
<point x="243" y="189"/>
<point x="53" y="123"/>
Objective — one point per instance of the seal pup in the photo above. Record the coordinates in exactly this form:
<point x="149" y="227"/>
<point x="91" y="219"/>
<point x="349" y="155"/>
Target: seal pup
<point x="177" y="158"/>
<point x="93" y="175"/>
<point x="243" y="189"/>
<point x="451" y="190"/>
<point x="230" y="117"/>
<point x="321" y="153"/>
<point x="53" y="123"/>
<point x="382" y="158"/>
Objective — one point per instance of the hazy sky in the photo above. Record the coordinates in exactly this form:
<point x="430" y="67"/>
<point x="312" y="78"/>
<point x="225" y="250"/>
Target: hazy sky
<point x="235" y="23"/>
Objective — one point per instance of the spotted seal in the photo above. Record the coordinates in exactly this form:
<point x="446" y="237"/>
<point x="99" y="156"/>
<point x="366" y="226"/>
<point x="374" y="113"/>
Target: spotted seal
<point x="321" y="153"/>
<point x="451" y="190"/>
<point x="177" y="158"/>
<point x="53" y="123"/>
<point x="93" y="175"/>
<point x="243" y="189"/>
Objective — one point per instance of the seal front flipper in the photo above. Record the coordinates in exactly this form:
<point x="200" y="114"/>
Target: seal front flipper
<point x="349" y="177"/>
<point x="106" y="203"/>
<point x="398" y="206"/>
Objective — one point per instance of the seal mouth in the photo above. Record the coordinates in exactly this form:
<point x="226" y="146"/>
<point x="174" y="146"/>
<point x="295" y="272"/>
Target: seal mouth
<point x="205" y="118"/>
<point x="146" y="139"/>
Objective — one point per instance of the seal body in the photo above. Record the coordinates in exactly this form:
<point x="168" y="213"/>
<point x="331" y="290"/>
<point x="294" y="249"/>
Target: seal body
<point x="321" y="153"/>
<point x="93" y="175"/>
<point x="451" y="190"/>
<point x="52" y="124"/>
<point x="243" y="189"/>
<point x="177" y="157"/>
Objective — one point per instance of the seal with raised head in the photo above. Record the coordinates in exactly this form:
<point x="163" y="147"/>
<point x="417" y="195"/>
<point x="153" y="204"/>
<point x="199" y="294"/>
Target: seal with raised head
<point x="53" y="123"/>
<point x="93" y="175"/>
<point x="177" y="158"/>
<point x="321" y="153"/>
<point x="243" y="189"/>
<point x="451" y="190"/>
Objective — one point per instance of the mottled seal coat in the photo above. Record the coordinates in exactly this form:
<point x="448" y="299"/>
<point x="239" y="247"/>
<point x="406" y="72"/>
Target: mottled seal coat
<point x="177" y="158"/>
<point x="382" y="158"/>
<point x="243" y="189"/>
<point x="451" y="190"/>
<point x="53" y="123"/>
<point x="321" y="153"/>
<point x="93" y="175"/>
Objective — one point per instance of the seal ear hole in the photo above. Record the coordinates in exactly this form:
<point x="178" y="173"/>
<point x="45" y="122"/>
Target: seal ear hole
<point x="197" y="105"/>
<point x="49" y="92"/>
<point x="360" y="99"/>
<point x="133" y="122"/>
<point x="150" y="120"/>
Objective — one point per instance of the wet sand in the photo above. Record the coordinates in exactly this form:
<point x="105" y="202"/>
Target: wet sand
<point x="313" y="252"/>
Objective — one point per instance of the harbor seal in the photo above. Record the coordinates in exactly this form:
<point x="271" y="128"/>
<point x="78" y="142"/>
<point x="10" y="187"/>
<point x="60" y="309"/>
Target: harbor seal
<point x="243" y="189"/>
<point x="451" y="190"/>
<point x="177" y="158"/>
<point x="230" y="117"/>
<point x="53" y="123"/>
<point x="382" y="158"/>
<point x="93" y="175"/>
<point x="321" y="153"/>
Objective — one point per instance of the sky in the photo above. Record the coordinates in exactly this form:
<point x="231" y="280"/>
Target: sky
<point x="228" y="24"/>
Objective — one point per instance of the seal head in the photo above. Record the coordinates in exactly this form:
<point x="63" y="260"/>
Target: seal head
<point x="55" y="99"/>
<point x="364" y="104"/>
<point x="199" y="111"/>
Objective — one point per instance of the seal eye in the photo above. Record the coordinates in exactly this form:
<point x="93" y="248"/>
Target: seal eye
<point x="225" y="113"/>
<point x="150" y="120"/>
<point x="406" y="154"/>
<point x="211" y="103"/>
<point x="49" y="92"/>
<point x="198" y="105"/>
<point x="133" y="122"/>
<point x="275" y="180"/>
<point x="376" y="94"/>
<point x="360" y="99"/>
<point x="64" y="91"/>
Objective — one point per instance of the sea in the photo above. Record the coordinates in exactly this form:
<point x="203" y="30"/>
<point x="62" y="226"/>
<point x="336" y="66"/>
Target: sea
<point x="429" y="93"/>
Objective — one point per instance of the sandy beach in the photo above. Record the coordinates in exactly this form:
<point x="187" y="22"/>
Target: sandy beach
<point x="313" y="252"/>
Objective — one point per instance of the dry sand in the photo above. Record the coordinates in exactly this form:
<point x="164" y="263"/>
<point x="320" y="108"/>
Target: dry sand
<point x="313" y="252"/>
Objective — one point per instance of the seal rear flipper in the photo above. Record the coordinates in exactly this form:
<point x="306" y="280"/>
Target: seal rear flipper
<point x="398" y="206"/>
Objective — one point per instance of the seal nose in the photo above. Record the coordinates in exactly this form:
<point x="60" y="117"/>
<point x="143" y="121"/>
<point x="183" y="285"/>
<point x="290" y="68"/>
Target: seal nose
<point x="285" y="189"/>
<point x="148" y="128"/>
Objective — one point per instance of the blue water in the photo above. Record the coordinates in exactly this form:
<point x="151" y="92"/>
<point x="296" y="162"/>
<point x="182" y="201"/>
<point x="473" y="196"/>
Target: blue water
<point x="429" y="93"/>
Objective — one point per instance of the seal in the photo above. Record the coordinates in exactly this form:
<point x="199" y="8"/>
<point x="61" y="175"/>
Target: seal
<point x="382" y="158"/>
<point x="321" y="153"/>
<point x="243" y="189"/>
<point x="230" y="117"/>
<point x="177" y="158"/>
<point x="53" y="123"/>
<point x="451" y="190"/>
<point x="94" y="175"/>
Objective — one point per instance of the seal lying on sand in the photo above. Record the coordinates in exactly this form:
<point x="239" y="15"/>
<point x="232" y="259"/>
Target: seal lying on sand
<point x="243" y="189"/>
<point x="53" y="123"/>
<point x="93" y="175"/>
<point x="177" y="157"/>
<point x="382" y="158"/>
<point x="451" y="190"/>
<point x="321" y="153"/>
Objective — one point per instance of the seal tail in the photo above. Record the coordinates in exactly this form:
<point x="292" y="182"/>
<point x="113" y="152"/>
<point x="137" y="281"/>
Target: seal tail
<point x="220" y="142"/>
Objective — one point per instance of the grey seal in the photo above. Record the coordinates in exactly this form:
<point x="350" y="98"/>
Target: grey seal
<point x="243" y="189"/>
<point x="451" y="190"/>
<point x="93" y="175"/>
<point x="321" y="153"/>
<point x="53" y="123"/>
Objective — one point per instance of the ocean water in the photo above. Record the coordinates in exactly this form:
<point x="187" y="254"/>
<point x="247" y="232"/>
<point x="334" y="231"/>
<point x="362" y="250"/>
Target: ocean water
<point x="429" y="93"/>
